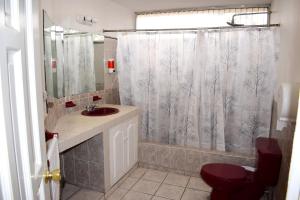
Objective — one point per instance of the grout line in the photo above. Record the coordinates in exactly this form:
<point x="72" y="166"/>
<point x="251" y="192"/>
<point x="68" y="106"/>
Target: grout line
<point x="73" y="194"/>
<point x="138" y="179"/>
<point x="201" y="188"/>
<point x="189" y="177"/>
<point x="133" y="184"/>
<point x="161" y="184"/>
<point x="185" y="187"/>
<point x="141" y="178"/>
<point x="120" y="182"/>
<point x="197" y="190"/>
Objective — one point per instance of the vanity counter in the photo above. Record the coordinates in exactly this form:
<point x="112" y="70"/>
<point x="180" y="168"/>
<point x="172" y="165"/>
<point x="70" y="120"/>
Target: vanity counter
<point x="75" y="128"/>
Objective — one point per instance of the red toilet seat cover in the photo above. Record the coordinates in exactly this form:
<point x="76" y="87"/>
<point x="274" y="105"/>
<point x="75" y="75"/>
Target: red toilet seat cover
<point x="223" y="176"/>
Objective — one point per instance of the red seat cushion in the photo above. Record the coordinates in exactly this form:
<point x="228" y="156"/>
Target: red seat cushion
<point x="224" y="177"/>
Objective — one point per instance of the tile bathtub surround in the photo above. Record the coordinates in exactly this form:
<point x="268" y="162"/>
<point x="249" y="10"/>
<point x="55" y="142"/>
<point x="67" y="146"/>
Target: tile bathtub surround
<point x="146" y="184"/>
<point x="83" y="165"/>
<point x="182" y="160"/>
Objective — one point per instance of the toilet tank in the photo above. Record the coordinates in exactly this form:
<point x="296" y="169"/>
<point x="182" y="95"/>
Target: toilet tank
<point x="268" y="163"/>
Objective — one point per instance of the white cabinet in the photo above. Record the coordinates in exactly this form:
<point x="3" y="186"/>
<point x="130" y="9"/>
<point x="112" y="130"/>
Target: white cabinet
<point x="116" y="153"/>
<point x="123" y="147"/>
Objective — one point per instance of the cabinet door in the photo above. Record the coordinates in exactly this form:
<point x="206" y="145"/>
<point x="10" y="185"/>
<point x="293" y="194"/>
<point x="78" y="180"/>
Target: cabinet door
<point x="126" y="152"/>
<point x="116" y="153"/>
<point x="130" y="143"/>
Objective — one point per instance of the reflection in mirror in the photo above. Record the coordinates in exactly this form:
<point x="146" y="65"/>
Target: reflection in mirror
<point x="48" y="25"/>
<point x="99" y="61"/>
<point x="74" y="60"/>
<point x="78" y="67"/>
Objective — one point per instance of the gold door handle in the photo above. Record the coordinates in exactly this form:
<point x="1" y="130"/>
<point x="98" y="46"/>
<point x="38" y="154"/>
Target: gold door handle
<point x="54" y="175"/>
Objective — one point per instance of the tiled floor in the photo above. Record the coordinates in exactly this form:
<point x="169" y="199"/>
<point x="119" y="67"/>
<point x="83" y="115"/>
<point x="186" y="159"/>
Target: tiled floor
<point x="148" y="184"/>
<point x="71" y="192"/>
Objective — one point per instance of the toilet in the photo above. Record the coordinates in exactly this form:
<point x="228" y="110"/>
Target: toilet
<point x="233" y="182"/>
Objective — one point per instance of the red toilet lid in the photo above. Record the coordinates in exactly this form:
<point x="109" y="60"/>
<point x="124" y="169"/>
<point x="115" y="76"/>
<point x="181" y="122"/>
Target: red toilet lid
<point x="225" y="171"/>
<point x="225" y="176"/>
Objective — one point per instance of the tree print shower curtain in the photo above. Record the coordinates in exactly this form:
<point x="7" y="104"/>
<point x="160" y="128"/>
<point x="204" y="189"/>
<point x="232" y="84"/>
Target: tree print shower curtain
<point x="78" y="55"/>
<point x="209" y="89"/>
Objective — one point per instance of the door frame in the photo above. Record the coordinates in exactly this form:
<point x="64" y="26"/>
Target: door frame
<point x="293" y="190"/>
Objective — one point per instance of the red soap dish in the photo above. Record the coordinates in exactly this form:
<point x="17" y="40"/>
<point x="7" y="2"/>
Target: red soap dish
<point x="70" y="104"/>
<point x="96" y="98"/>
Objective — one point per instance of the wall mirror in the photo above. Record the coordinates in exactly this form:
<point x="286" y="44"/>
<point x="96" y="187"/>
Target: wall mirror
<point x="73" y="60"/>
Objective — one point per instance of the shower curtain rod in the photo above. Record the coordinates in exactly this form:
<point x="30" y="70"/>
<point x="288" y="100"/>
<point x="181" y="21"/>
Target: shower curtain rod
<point x="191" y="29"/>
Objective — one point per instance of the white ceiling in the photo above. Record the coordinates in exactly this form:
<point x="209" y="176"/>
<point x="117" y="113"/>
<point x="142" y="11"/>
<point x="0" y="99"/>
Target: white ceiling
<point x="150" y="5"/>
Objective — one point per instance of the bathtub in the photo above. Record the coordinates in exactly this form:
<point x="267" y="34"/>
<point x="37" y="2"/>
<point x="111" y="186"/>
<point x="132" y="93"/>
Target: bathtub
<point x="185" y="160"/>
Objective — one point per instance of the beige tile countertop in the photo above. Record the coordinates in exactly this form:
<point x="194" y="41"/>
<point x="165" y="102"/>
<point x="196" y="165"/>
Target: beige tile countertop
<point x="75" y="128"/>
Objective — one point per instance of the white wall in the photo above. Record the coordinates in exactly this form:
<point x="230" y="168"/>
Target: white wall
<point x="48" y="5"/>
<point x="109" y="14"/>
<point x="287" y="13"/>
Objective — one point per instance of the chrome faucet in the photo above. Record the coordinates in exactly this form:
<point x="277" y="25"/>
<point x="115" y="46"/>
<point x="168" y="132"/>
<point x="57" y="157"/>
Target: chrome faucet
<point x="90" y="108"/>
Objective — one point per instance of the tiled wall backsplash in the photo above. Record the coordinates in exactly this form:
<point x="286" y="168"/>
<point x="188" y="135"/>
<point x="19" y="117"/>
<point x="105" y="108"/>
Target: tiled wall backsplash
<point x="185" y="160"/>
<point x="83" y="165"/>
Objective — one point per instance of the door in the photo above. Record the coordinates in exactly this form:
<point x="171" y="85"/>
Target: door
<point x="22" y="143"/>
<point x="116" y="153"/>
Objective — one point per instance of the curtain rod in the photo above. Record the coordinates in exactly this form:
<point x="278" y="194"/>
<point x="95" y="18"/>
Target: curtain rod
<point x="82" y="33"/>
<point x="110" y="37"/>
<point x="204" y="9"/>
<point x="191" y="29"/>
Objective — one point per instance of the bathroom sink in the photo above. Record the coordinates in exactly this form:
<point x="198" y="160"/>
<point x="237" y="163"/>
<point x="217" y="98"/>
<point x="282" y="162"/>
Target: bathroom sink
<point x="103" y="111"/>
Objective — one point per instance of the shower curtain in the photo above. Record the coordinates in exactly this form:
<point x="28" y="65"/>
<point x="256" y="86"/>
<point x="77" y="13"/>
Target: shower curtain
<point x="78" y="64"/>
<point x="59" y="37"/>
<point x="205" y="89"/>
<point x="48" y="66"/>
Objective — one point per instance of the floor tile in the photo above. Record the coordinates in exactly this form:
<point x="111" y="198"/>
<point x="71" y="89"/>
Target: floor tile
<point x="145" y="186"/>
<point x="198" y="184"/>
<point x="170" y="192"/>
<point x="158" y="198"/>
<point x="178" y="180"/>
<point x="131" y="195"/>
<point x="68" y="191"/>
<point x="154" y="175"/>
<point x="138" y="173"/>
<point x="87" y="195"/>
<point x="117" y="194"/>
<point x="190" y="194"/>
<point x="128" y="183"/>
